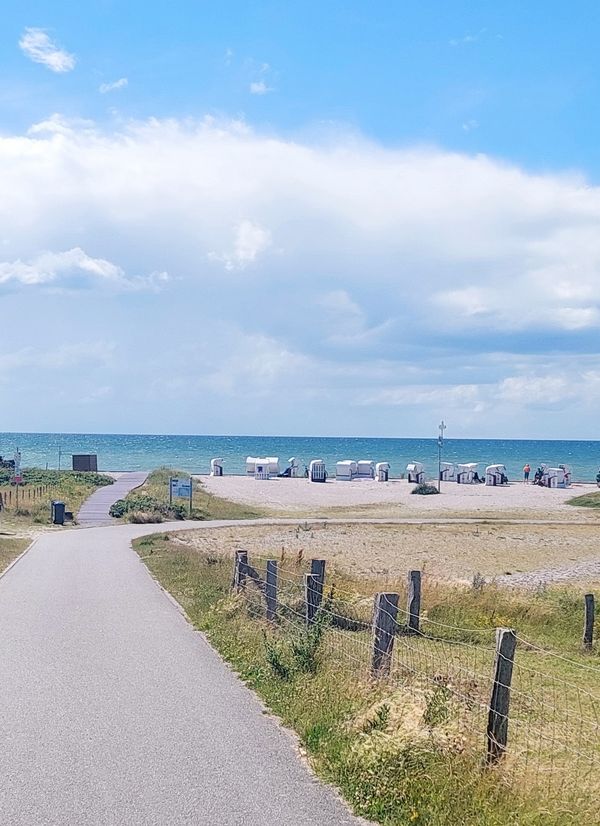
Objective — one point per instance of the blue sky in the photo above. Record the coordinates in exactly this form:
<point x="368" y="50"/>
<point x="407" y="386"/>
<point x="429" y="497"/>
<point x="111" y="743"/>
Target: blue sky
<point x="341" y="218"/>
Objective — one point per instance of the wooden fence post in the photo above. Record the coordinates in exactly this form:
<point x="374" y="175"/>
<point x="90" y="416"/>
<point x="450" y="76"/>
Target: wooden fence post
<point x="413" y="605"/>
<point x="312" y="598"/>
<point x="271" y="590"/>
<point x="588" y="624"/>
<point x="317" y="569"/>
<point x="239" y="570"/>
<point x="497" y="728"/>
<point x="385" y="625"/>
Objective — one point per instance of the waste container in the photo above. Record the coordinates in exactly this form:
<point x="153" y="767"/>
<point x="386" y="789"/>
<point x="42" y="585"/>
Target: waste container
<point x="58" y="512"/>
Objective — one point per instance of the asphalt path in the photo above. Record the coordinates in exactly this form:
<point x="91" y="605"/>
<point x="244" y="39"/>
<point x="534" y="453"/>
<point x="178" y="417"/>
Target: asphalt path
<point x="95" y="509"/>
<point x="114" y="710"/>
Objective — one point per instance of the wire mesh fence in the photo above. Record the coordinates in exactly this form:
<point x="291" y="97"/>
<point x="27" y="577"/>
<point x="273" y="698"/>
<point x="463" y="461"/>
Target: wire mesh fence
<point x="533" y="717"/>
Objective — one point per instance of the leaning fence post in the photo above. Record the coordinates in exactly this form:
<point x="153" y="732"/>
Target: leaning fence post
<point x="239" y="570"/>
<point x="413" y="605"/>
<point x="385" y="625"/>
<point x="271" y="589"/>
<point x="588" y="624"/>
<point x="497" y="728"/>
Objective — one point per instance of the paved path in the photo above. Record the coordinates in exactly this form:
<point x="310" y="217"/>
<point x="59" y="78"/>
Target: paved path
<point x="94" y="510"/>
<point x="115" y="711"/>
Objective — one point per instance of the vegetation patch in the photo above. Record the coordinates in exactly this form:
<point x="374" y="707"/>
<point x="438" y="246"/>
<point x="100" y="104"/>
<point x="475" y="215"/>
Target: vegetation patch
<point x="398" y="750"/>
<point x="425" y="489"/>
<point x="150" y="502"/>
<point x="10" y="548"/>
<point x="587" y="500"/>
<point x="40" y="487"/>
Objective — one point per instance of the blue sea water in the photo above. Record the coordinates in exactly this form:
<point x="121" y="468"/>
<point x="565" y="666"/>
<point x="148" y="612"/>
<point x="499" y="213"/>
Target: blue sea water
<point x="193" y="453"/>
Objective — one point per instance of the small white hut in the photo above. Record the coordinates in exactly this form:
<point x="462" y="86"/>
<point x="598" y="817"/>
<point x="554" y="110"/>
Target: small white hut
<point x="346" y="470"/>
<point x="382" y="471"/>
<point x="415" y="472"/>
<point x="293" y="467"/>
<point x="496" y="475"/>
<point x="365" y="469"/>
<point x="216" y="467"/>
<point x="466" y="474"/>
<point x="317" y="471"/>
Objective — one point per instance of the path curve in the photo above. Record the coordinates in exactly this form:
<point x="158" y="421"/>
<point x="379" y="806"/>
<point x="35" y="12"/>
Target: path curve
<point x="95" y="509"/>
<point x="116" y="712"/>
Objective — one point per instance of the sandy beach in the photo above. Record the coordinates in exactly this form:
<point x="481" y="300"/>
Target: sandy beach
<point x="394" y="499"/>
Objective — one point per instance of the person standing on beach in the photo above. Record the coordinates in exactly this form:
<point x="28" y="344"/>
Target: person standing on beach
<point x="526" y="472"/>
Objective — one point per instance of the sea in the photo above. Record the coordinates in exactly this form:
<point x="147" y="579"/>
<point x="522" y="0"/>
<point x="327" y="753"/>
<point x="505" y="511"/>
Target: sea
<point x="118" y="452"/>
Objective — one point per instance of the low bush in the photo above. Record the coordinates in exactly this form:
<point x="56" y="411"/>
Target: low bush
<point x="143" y="508"/>
<point x="425" y="489"/>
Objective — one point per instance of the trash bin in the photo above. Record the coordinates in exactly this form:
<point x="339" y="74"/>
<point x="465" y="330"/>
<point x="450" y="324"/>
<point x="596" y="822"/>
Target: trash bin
<point x="58" y="513"/>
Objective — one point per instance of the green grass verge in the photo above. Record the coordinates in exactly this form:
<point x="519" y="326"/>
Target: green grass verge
<point x="587" y="500"/>
<point x="40" y="487"/>
<point x="362" y="735"/>
<point x="150" y="502"/>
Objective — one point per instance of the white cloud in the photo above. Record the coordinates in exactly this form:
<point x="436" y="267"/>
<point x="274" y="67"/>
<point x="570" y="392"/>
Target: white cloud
<point x="259" y="87"/>
<point x="70" y="267"/>
<point x="250" y="241"/>
<point x="121" y="83"/>
<point x="36" y="44"/>
<point x="415" y="278"/>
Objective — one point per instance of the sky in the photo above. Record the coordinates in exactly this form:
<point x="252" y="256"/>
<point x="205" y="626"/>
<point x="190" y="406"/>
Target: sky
<point x="339" y="218"/>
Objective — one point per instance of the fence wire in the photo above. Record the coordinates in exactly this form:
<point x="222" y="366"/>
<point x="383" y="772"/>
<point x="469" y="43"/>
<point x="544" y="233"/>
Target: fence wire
<point x="445" y="674"/>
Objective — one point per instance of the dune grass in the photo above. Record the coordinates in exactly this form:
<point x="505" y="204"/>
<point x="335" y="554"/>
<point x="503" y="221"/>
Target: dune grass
<point x="587" y="500"/>
<point x="150" y="502"/>
<point x="404" y="751"/>
<point x="40" y="487"/>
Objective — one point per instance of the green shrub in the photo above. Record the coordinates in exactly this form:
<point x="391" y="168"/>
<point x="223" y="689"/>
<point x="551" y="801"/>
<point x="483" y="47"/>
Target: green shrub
<point x="142" y="508"/>
<point x="425" y="489"/>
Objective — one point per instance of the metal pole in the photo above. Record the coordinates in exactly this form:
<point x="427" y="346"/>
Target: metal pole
<point x="191" y="495"/>
<point x="440" y="445"/>
<point x="170" y="490"/>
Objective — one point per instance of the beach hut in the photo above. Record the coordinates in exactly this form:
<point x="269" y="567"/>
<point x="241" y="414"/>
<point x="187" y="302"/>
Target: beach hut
<point x="447" y="472"/>
<point x="496" y="475"/>
<point x="269" y="465"/>
<point x="317" y="471"/>
<point x="291" y="471"/>
<point x="365" y="469"/>
<point x="558" y="477"/>
<point x="568" y="475"/>
<point x="346" y="470"/>
<point x="382" y="471"/>
<point x="415" y="472"/>
<point x="466" y="474"/>
<point x="251" y="465"/>
<point x="216" y="467"/>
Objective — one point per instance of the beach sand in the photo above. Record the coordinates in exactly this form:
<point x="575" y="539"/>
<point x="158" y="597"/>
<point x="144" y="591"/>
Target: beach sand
<point x="556" y="542"/>
<point x="364" y="497"/>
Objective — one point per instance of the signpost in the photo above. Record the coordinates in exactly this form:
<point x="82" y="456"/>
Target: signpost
<point x="440" y="446"/>
<point x="182" y="488"/>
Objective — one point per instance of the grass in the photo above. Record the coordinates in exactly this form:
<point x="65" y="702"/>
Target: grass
<point x="405" y="751"/>
<point x="150" y="502"/>
<point x="40" y="487"/>
<point x="587" y="500"/>
<point x="10" y="548"/>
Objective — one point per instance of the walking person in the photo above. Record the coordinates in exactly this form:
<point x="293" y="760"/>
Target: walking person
<point x="526" y="472"/>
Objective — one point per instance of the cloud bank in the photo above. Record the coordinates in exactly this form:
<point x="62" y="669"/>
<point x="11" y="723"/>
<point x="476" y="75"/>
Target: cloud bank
<point x="410" y="281"/>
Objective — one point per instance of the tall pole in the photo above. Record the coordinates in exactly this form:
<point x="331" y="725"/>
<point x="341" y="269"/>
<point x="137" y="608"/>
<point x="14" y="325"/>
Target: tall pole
<point x="442" y="427"/>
